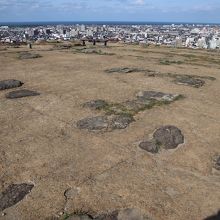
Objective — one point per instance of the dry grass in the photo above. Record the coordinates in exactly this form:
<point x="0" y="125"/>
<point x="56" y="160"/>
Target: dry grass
<point x="40" y="142"/>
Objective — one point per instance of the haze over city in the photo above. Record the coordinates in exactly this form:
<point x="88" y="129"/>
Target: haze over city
<point x="110" y="10"/>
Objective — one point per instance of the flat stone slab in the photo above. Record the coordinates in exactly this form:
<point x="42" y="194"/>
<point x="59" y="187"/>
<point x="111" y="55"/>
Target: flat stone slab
<point x="125" y="214"/>
<point x="195" y="81"/>
<point x="169" y="137"/>
<point x="27" y="55"/>
<point x="120" y="121"/>
<point x="21" y="93"/>
<point x="96" y="104"/>
<point x="189" y="81"/>
<point x="93" y="123"/>
<point x="120" y="115"/>
<point x="145" y="100"/>
<point x="80" y="217"/>
<point x="123" y="70"/>
<point x="159" y="96"/>
<point x="10" y="83"/>
<point x="14" y="194"/>
<point x="106" y="123"/>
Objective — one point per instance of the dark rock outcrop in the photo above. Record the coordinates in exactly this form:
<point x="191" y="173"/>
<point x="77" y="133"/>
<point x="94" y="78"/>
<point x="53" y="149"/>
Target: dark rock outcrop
<point x="10" y="83"/>
<point x="21" y="93"/>
<point x="14" y="194"/>
<point x="169" y="137"/>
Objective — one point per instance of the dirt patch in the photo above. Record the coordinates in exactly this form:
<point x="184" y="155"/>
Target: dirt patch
<point x="10" y="83"/>
<point x="21" y="94"/>
<point x="14" y="194"/>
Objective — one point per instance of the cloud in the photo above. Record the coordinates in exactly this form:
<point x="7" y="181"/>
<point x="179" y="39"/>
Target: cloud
<point x="109" y="9"/>
<point x="140" y="2"/>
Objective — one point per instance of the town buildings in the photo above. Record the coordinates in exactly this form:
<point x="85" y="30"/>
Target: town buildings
<point x="182" y="35"/>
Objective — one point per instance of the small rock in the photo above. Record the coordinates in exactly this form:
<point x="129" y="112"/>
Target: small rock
<point x="169" y="137"/>
<point x="10" y="83"/>
<point x="14" y="194"/>
<point x="96" y="104"/>
<point x="217" y="163"/>
<point x="93" y="123"/>
<point x="61" y="213"/>
<point x="190" y="81"/>
<point x="150" y="146"/>
<point x="21" y="93"/>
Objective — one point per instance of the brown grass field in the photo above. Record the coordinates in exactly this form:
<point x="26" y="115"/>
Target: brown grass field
<point x="104" y="171"/>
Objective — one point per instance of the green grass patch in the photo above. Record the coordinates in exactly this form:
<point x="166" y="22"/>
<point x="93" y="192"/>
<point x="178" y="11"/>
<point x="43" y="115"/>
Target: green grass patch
<point x="169" y="62"/>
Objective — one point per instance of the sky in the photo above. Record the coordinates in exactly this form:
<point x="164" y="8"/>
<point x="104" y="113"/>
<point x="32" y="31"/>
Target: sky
<point x="207" y="11"/>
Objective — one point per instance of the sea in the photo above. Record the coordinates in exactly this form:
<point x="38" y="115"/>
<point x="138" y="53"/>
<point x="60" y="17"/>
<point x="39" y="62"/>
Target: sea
<point x="53" y="23"/>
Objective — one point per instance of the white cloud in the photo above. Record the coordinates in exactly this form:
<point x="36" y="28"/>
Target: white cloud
<point x="139" y="2"/>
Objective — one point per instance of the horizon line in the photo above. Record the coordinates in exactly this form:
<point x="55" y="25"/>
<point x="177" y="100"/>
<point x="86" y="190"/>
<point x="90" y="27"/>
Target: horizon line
<point x="109" y="21"/>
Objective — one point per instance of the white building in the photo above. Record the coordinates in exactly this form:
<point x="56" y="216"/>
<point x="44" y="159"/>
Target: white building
<point x="202" y="43"/>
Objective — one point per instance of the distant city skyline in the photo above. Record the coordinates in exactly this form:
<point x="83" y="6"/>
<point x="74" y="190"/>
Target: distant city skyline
<point x="201" y="11"/>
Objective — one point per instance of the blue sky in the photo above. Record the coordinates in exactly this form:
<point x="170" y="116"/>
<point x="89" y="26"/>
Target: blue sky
<point x="110" y="10"/>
